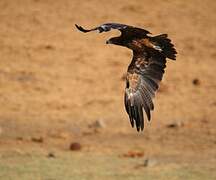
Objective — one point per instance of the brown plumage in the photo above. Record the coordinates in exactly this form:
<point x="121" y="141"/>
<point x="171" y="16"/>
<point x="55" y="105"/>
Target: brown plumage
<point x="145" y="70"/>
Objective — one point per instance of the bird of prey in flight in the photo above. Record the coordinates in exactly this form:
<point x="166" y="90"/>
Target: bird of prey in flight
<point x="145" y="70"/>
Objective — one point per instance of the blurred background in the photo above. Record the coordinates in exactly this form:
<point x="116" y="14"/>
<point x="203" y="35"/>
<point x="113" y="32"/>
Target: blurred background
<point x="61" y="92"/>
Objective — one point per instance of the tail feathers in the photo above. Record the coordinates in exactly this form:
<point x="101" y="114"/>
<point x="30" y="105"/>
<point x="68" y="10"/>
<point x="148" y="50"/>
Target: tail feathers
<point x="164" y="45"/>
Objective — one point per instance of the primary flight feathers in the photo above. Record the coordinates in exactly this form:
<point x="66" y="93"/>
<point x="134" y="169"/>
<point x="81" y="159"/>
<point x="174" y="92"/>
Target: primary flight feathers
<point x="145" y="70"/>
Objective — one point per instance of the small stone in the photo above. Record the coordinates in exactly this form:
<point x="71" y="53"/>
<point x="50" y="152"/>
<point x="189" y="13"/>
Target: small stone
<point x="149" y="162"/>
<point x="98" y="124"/>
<point x="134" y="154"/>
<point x="196" y="82"/>
<point x="175" y="124"/>
<point x="75" y="146"/>
<point x="51" y="155"/>
<point x="49" y="47"/>
<point x="214" y="104"/>
<point x="37" y="139"/>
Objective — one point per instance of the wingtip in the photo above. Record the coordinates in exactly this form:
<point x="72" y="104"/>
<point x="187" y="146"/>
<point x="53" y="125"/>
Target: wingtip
<point x="140" y="128"/>
<point x="77" y="26"/>
<point x="80" y="28"/>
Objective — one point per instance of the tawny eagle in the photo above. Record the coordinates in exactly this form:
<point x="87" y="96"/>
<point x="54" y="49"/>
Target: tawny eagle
<point x="145" y="70"/>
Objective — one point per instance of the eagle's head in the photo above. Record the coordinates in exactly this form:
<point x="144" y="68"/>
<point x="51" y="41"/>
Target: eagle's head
<point x="116" y="41"/>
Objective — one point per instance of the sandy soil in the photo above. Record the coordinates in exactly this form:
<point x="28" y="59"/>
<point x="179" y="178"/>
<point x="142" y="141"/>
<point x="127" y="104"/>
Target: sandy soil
<point x="55" y="82"/>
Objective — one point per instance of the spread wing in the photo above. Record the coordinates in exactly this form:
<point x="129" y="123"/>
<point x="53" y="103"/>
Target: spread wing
<point x="126" y="30"/>
<point x="143" y="77"/>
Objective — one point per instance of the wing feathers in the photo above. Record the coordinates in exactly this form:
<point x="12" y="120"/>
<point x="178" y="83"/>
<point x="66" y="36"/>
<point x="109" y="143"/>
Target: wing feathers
<point x="104" y="27"/>
<point x="127" y="31"/>
<point x="142" y="82"/>
<point x="167" y="48"/>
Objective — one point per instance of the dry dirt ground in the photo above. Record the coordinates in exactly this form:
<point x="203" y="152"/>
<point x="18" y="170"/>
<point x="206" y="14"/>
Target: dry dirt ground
<point x="56" y="82"/>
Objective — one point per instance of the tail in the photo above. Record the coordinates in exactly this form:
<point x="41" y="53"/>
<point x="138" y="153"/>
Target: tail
<point x="164" y="45"/>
